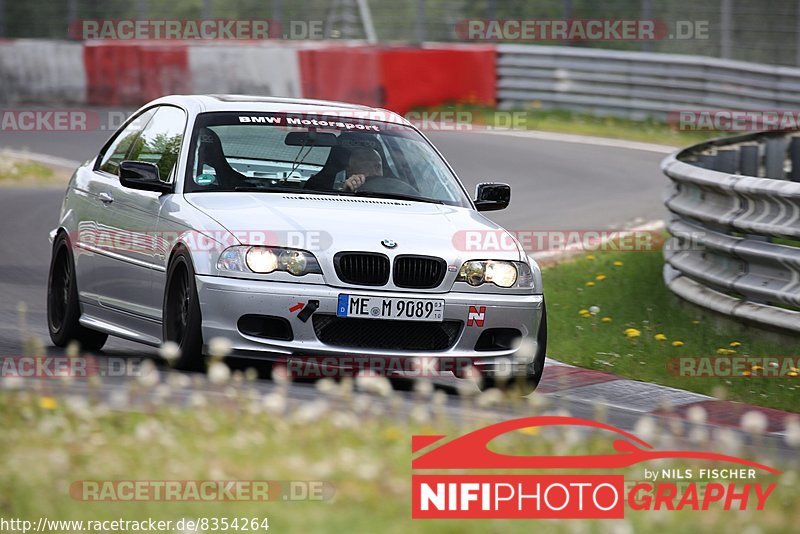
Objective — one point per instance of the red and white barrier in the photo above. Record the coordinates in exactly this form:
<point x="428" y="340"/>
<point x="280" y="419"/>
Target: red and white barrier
<point x="38" y="71"/>
<point x="253" y="69"/>
<point x="129" y="73"/>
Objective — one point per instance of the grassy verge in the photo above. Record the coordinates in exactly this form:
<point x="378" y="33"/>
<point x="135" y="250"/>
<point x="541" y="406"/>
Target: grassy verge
<point x="628" y="292"/>
<point x="355" y="442"/>
<point x="15" y="172"/>
<point x="648" y="131"/>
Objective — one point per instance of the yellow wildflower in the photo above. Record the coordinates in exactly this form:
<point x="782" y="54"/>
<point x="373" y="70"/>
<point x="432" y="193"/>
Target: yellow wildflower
<point x="632" y="332"/>
<point x="47" y="403"/>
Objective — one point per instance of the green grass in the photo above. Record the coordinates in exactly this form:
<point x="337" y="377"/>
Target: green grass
<point x="360" y="445"/>
<point x="649" y="131"/>
<point x="24" y="172"/>
<point x="633" y="295"/>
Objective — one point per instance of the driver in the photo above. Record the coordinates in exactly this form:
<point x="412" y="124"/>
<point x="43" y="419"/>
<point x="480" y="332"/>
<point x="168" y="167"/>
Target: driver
<point x="363" y="162"/>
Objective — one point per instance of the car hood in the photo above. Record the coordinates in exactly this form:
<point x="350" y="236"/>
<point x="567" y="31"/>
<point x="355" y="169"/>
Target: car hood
<point x="326" y="224"/>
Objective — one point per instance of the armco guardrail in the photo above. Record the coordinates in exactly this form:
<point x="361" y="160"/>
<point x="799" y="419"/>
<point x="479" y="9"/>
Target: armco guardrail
<point x="735" y="227"/>
<point x="637" y="84"/>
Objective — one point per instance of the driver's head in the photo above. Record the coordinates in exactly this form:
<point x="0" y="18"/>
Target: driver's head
<point x="366" y="161"/>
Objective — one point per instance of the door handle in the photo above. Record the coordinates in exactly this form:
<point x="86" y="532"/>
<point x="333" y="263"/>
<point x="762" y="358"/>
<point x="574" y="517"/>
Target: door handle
<point x="106" y="198"/>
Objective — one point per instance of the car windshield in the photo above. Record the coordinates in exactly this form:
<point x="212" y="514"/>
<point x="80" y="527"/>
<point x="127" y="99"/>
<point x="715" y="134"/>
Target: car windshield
<point x="320" y="154"/>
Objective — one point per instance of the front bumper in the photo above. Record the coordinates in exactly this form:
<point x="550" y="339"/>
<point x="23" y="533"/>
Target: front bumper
<point x="224" y="300"/>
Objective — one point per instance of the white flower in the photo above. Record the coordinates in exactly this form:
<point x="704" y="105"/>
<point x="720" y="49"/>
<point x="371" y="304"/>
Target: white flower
<point x="326" y="385"/>
<point x="792" y="436"/>
<point x="526" y="351"/>
<point x="341" y="419"/>
<point x="367" y="471"/>
<point x="729" y="440"/>
<point x="78" y="405"/>
<point x="645" y="428"/>
<point x="219" y="347"/>
<point x="594" y="310"/>
<point x="218" y="373"/>
<point x="274" y="402"/>
<point x="377" y="385"/>
<point x="162" y="392"/>
<point x="148" y="374"/>
<point x="118" y="399"/>
<point x="170" y="351"/>
<point x="73" y="349"/>
<point x="696" y="414"/>
<point x="754" y="422"/>
<point x="197" y="399"/>
<point x="468" y="386"/>
<point x="280" y="375"/>
<point x="311" y="411"/>
<point x="698" y="434"/>
<point x="420" y="414"/>
<point x="503" y="369"/>
<point x="538" y="402"/>
<point x="250" y="374"/>
<point x="13" y="382"/>
<point x="423" y="387"/>
<point x="178" y="380"/>
<point x="490" y="397"/>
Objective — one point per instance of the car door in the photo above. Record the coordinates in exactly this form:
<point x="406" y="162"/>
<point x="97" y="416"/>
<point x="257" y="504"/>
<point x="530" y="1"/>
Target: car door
<point x="158" y="144"/>
<point x="101" y="235"/>
<point x="124" y="268"/>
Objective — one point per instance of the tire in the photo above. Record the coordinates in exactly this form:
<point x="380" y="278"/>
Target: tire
<point x="63" y="308"/>
<point x="527" y="384"/>
<point x="182" y="319"/>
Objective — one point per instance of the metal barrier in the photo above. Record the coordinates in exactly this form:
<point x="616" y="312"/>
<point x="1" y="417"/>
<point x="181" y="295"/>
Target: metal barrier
<point x="735" y="227"/>
<point x="637" y="85"/>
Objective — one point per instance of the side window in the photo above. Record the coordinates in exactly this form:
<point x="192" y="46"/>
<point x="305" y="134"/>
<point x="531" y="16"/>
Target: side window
<point x="118" y="149"/>
<point x="161" y="140"/>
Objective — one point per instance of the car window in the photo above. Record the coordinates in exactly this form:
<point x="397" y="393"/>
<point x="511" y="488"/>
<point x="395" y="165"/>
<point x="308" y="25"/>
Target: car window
<point x="278" y="152"/>
<point x="160" y="141"/>
<point x="119" y="146"/>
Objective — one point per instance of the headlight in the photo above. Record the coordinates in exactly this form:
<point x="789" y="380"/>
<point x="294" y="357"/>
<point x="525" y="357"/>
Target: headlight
<point x="500" y="273"/>
<point x="265" y="260"/>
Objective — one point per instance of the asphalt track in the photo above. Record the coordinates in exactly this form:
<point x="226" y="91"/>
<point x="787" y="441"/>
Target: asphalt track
<point x="556" y="185"/>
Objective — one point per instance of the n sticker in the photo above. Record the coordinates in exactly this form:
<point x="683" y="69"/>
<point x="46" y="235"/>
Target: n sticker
<point x="476" y="315"/>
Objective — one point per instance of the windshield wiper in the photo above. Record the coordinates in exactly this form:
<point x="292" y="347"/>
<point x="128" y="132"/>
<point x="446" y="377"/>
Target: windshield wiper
<point x="396" y="196"/>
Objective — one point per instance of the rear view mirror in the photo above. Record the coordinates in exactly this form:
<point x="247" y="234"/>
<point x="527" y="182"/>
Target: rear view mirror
<point x="142" y="176"/>
<point x="311" y="139"/>
<point x="490" y="196"/>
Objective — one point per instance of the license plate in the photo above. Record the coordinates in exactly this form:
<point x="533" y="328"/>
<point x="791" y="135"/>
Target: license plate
<point x="390" y="308"/>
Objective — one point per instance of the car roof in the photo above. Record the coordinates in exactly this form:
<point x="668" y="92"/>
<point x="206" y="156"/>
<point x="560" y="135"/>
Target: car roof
<point x="270" y="104"/>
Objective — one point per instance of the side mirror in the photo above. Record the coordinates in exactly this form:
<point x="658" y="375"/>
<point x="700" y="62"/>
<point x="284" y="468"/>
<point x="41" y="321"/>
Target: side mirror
<point x="490" y="196"/>
<point x="143" y="176"/>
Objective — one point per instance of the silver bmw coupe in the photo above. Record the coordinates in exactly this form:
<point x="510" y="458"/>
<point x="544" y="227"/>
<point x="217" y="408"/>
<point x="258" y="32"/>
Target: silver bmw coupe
<point x="295" y="229"/>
